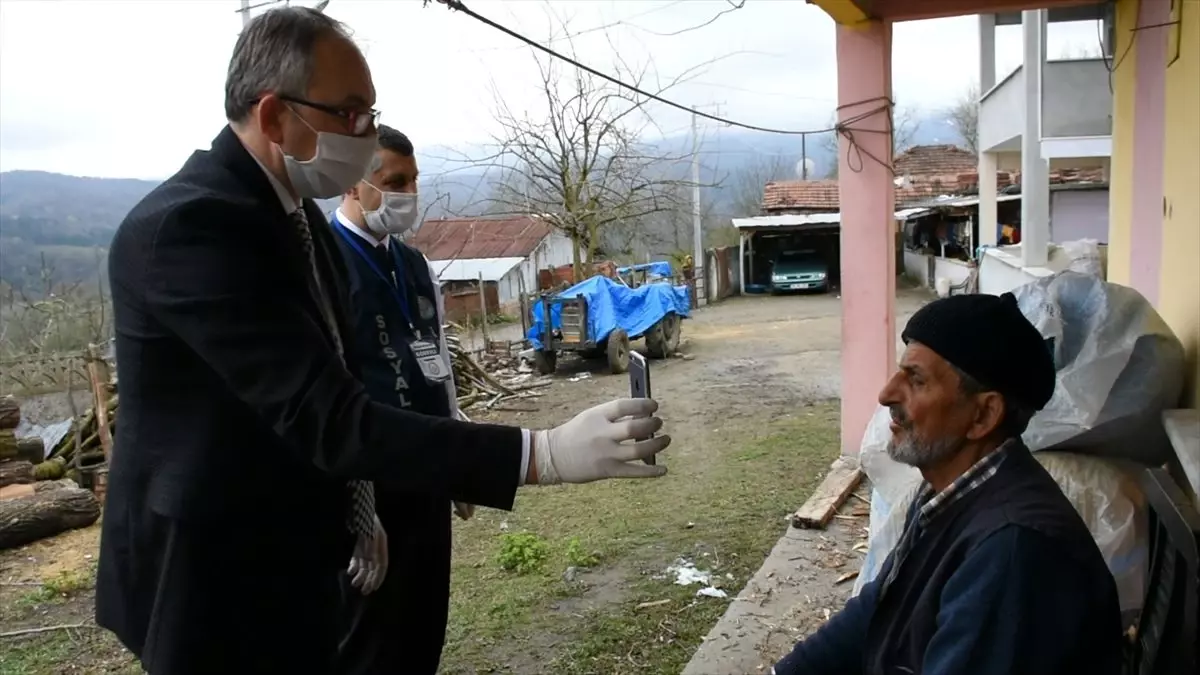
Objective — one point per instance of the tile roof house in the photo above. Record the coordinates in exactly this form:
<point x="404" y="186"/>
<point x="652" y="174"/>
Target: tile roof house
<point x="923" y="172"/>
<point x="504" y="251"/>
<point x="472" y="238"/>
<point x="800" y="196"/>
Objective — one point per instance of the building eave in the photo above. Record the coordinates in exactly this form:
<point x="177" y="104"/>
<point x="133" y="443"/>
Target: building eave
<point x="843" y="12"/>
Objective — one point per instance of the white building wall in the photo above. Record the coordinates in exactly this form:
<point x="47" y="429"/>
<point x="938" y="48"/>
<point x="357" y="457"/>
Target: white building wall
<point x="916" y="266"/>
<point x="1079" y="214"/>
<point x="508" y="288"/>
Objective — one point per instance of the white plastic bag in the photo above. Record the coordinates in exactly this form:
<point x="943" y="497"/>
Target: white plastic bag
<point x="1084" y="257"/>
<point x="894" y="486"/>
<point x="1119" y="366"/>
<point x="1108" y="498"/>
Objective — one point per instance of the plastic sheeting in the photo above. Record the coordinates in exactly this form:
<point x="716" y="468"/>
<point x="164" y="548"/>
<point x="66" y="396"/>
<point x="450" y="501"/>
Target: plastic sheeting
<point x="612" y="305"/>
<point x="50" y="434"/>
<point x="660" y="268"/>
<point x="1118" y="367"/>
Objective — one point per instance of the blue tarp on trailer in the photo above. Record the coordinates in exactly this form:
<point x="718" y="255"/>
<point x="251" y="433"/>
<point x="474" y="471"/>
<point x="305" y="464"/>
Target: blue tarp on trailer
<point x="660" y="268"/>
<point x="612" y="305"/>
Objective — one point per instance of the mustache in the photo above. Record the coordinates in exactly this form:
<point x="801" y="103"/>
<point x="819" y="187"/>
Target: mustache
<point x="898" y="415"/>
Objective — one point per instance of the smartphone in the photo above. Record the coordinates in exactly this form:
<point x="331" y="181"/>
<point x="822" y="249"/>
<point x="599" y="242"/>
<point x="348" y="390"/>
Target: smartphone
<point x="639" y="383"/>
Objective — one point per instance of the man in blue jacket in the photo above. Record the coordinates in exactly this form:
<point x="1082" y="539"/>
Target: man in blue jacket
<point x="995" y="574"/>
<point x="395" y="618"/>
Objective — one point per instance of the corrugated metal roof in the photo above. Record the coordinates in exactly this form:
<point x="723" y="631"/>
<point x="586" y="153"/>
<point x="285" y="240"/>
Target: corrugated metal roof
<point x="803" y="219"/>
<point x="492" y="269"/>
<point x="472" y="238"/>
<point x="942" y="202"/>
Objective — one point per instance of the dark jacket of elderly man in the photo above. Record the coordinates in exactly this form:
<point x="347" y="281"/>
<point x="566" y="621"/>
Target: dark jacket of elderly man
<point x="995" y="574"/>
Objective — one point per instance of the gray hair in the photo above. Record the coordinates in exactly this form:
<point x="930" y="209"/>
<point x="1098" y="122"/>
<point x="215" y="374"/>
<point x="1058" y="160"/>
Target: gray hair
<point x="1016" y="416"/>
<point x="274" y="54"/>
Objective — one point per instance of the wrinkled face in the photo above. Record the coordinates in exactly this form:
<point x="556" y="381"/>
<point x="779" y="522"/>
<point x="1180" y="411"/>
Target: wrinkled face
<point x="395" y="173"/>
<point x="339" y="100"/>
<point x="932" y="418"/>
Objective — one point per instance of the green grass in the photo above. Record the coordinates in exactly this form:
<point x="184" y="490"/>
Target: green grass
<point x="723" y="505"/>
<point x="63" y="599"/>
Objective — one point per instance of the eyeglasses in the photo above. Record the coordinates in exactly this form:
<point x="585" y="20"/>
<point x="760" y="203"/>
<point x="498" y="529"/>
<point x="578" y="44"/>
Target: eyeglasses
<point x="359" y="122"/>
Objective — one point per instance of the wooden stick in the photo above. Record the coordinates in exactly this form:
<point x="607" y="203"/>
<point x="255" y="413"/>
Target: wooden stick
<point x="829" y="496"/>
<point x="99" y="377"/>
<point x="46" y="629"/>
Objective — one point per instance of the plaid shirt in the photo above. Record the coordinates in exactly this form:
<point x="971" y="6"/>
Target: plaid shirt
<point x="979" y="473"/>
<point x="933" y="504"/>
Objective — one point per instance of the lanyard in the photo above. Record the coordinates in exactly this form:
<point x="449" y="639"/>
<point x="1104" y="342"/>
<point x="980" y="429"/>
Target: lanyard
<point x="398" y="290"/>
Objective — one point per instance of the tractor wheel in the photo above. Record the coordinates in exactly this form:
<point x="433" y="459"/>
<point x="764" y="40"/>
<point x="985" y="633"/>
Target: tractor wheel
<point x="546" y="361"/>
<point x="671" y="328"/>
<point x="618" y="351"/>
<point x="656" y="340"/>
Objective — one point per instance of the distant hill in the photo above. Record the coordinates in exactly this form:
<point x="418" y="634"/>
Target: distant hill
<point x="69" y="221"/>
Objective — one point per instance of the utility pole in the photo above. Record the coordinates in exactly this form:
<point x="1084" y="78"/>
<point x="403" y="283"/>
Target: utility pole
<point x="245" y="13"/>
<point x="697" y="234"/>
<point x="803" y="156"/>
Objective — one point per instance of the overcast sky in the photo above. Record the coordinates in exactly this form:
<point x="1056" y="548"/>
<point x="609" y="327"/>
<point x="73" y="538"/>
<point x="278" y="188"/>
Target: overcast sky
<point x="129" y="88"/>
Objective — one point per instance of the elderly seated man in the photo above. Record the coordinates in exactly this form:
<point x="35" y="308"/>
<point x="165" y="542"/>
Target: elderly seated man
<point x="995" y="574"/>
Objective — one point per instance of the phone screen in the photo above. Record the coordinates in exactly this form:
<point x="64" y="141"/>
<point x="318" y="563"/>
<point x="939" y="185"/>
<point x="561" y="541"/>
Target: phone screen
<point x="639" y="382"/>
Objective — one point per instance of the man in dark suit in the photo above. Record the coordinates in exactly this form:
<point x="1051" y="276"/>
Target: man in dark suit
<point x="245" y="440"/>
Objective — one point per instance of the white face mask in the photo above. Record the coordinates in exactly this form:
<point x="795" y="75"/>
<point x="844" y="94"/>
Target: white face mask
<point x="397" y="214"/>
<point x="339" y="162"/>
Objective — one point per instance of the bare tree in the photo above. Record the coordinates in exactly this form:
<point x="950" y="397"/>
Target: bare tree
<point x="748" y="183"/>
<point x="906" y="123"/>
<point x="583" y="166"/>
<point x="964" y="116"/>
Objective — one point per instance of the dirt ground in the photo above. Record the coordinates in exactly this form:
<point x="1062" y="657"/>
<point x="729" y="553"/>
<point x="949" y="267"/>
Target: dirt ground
<point x="752" y="412"/>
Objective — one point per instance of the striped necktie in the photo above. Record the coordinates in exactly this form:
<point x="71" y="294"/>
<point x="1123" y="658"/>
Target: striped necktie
<point x="362" y="493"/>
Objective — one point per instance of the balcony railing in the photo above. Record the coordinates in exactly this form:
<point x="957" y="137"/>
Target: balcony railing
<point x="1076" y="102"/>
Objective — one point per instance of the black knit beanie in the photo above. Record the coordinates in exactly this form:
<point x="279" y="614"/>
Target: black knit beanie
<point x="988" y="338"/>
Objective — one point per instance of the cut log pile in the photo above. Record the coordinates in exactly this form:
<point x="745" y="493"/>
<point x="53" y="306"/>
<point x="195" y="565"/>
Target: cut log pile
<point x="31" y="510"/>
<point x="40" y="493"/>
<point x="475" y="385"/>
<point x="83" y="446"/>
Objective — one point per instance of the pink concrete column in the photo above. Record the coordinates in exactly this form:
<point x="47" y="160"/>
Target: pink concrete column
<point x="868" y="237"/>
<point x="1149" y="117"/>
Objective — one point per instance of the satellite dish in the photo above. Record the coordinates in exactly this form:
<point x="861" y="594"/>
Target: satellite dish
<point x="806" y="167"/>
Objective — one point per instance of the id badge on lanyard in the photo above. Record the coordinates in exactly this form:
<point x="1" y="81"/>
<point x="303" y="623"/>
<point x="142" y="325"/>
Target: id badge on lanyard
<point x="433" y="363"/>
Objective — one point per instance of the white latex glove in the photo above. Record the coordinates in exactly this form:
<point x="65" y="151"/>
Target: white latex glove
<point x="590" y="447"/>
<point x="369" y="564"/>
<point x="464" y="510"/>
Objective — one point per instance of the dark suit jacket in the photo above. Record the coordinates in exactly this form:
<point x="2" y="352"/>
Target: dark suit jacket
<point x="225" y="523"/>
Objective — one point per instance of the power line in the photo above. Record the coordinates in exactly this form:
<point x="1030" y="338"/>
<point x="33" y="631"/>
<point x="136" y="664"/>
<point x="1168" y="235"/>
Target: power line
<point x="457" y="5"/>
<point x="845" y="128"/>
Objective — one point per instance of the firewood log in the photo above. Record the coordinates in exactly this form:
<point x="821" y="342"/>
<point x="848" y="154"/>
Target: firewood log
<point x="45" y="514"/>
<point x="50" y="469"/>
<point x="31" y="449"/>
<point x="10" y="413"/>
<point x="60" y="484"/>
<point x="15" y="471"/>
<point x="8" y="444"/>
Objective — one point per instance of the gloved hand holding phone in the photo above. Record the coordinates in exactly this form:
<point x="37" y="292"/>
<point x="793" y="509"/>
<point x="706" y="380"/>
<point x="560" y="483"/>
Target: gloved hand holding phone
<point x="594" y="444"/>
